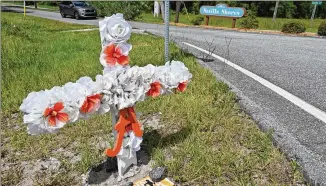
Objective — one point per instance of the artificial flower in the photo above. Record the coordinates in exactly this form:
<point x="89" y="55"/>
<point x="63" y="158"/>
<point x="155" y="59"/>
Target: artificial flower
<point x="55" y="115"/>
<point x="114" y="29"/>
<point x="115" y="55"/>
<point x="182" y="86"/>
<point x="155" y="89"/>
<point x="91" y="103"/>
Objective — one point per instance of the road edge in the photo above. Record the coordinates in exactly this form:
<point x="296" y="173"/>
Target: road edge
<point x="313" y="170"/>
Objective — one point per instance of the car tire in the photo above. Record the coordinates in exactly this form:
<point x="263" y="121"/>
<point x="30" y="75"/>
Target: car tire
<point x="63" y="15"/>
<point x="77" y="16"/>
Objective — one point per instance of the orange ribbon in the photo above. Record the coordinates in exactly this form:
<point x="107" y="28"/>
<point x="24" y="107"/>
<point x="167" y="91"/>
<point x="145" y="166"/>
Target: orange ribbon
<point x="127" y="122"/>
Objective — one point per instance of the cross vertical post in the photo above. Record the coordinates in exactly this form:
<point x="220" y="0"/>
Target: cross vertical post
<point x="167" y="21"/>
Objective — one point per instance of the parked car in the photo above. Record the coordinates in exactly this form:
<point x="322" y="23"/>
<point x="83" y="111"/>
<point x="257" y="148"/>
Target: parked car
<point x="77" y="9"/>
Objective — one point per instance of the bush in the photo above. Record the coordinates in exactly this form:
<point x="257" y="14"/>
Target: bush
<point x="250" y="21"/>
<point x="130" y="9"/>
<point x="293" y="27"/>
<point x="322" y="29"/>
<point x="197" y="20"/>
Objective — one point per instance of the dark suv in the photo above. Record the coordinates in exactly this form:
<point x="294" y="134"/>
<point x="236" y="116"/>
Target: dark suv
<point x="78" y="9"/>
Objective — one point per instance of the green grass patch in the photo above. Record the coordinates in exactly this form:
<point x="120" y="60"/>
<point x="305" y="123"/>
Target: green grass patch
<point x="206" y="138"/>
<point x="264" y="23"/>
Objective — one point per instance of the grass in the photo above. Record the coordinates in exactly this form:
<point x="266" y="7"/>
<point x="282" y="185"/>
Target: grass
<point x="264" y="23"/>
<point x="206" y="138"/>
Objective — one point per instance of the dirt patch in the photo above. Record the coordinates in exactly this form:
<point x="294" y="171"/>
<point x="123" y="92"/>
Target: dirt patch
<point x="100" y="176"/>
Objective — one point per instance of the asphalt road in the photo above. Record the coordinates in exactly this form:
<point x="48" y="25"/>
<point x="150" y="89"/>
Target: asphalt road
<point x="296" y="64"/>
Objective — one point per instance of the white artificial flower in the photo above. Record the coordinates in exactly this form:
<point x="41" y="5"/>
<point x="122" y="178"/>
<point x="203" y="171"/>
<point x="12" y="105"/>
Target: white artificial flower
<point x="35" y="112"/>
<point x="114" y="29"/>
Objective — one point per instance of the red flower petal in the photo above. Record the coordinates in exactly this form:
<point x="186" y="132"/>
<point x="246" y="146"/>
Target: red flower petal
<point x="110" y="60"/>
<point x="52" y="121"/>
<point x="155" y="89"/>
<point x="84" y="107"/>
<point x="90" y="106"/>
<point x="109" y="50"/>
<point x="47" y="112"/>
<point x="182" y="86"/>
<point x="63" y="117"/>
<point x="123" y="60"/>
<point x="58" y="106"/>
<point x="94" y="98"/>
<point x="118" y="51"/>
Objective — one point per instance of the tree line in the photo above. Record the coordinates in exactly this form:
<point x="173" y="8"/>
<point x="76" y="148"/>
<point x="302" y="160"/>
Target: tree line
<point x="286" y="9"/>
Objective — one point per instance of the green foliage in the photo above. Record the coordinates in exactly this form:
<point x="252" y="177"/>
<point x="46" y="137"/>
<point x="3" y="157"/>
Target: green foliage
<point x="197" y="20"/>
<point x="286" y="9"/>
<point x="130" y="9"/>
<point x="250" y="21"/>
<point x="322" y="29"/>
<point x="195" y="7"/>
<point x="293" y="27"/>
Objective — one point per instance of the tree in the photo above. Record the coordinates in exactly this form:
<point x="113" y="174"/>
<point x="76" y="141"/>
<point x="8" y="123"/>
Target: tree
<point x="162" y="9"/>
<point x="177" y="11"/>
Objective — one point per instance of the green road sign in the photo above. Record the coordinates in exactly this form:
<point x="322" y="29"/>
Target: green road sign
<point x="316" y="2"/>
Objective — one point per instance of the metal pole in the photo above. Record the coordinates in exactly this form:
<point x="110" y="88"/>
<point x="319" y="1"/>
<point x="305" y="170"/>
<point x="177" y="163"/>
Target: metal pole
<point x="313" y="14"/>
<point x="24" y="8"/>
<point x="167" y="21"/>
<point x="275" y="10"/>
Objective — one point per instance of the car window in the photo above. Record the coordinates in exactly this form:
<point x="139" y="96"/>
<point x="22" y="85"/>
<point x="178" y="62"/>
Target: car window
<point x="65" y="2"/>
<point x="80" y="3"/>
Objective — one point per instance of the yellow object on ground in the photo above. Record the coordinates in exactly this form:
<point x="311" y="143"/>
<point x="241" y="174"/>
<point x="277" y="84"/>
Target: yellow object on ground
<point x="147" y="181"/>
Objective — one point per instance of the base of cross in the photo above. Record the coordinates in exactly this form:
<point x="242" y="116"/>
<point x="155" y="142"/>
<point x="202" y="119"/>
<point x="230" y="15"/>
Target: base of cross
<point x="125" y="129"/>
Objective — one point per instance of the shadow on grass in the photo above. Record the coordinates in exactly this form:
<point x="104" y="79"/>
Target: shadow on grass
<point x="152" y="140"/>
<point x="8" y="9"/>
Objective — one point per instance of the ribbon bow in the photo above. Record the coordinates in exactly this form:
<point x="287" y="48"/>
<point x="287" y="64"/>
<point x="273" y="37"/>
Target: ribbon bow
<point x="127" y="122"/>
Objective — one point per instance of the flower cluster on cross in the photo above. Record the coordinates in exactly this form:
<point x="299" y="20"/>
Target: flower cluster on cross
<point x="117" y="90"/>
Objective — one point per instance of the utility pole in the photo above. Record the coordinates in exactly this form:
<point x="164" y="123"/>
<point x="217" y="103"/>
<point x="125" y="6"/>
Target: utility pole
<point x="167" y="21"/>
<point x="313" y="14"/>
<point x="275" y="10"/>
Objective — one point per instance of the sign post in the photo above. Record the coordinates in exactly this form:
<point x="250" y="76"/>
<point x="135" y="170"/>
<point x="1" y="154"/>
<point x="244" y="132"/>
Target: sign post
<point x="275" y="10"/>
<point x="24" y="8"/>
<point x="222" y="10"/>
<point x="315" y="3"/>
<point x="167" y="22"/>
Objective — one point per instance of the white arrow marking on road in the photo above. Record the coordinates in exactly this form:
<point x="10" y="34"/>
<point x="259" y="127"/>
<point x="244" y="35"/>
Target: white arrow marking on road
<point x="321" y="115"/>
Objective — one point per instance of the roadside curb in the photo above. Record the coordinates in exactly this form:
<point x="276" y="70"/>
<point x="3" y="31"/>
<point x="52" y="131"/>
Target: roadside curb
<point x="254" y="31"/>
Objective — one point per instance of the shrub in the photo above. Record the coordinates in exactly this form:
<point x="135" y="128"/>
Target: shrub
<point x="250" y="21"/>
<point x="130" y="9"/>
<point x="293" y="27"/>
<point x="197" y="20"/>
<point x="322" y="29"/>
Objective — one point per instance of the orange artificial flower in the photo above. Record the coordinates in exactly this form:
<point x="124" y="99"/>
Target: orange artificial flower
<point x="155" y="89"/>
<point x="54" y="113"/>
<point x="182" y="86"/>
<point x="114" y="55"/>
<point x="90" y="102"/>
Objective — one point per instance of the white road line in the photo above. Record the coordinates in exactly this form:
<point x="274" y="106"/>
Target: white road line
<point x="321" y="115"/>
